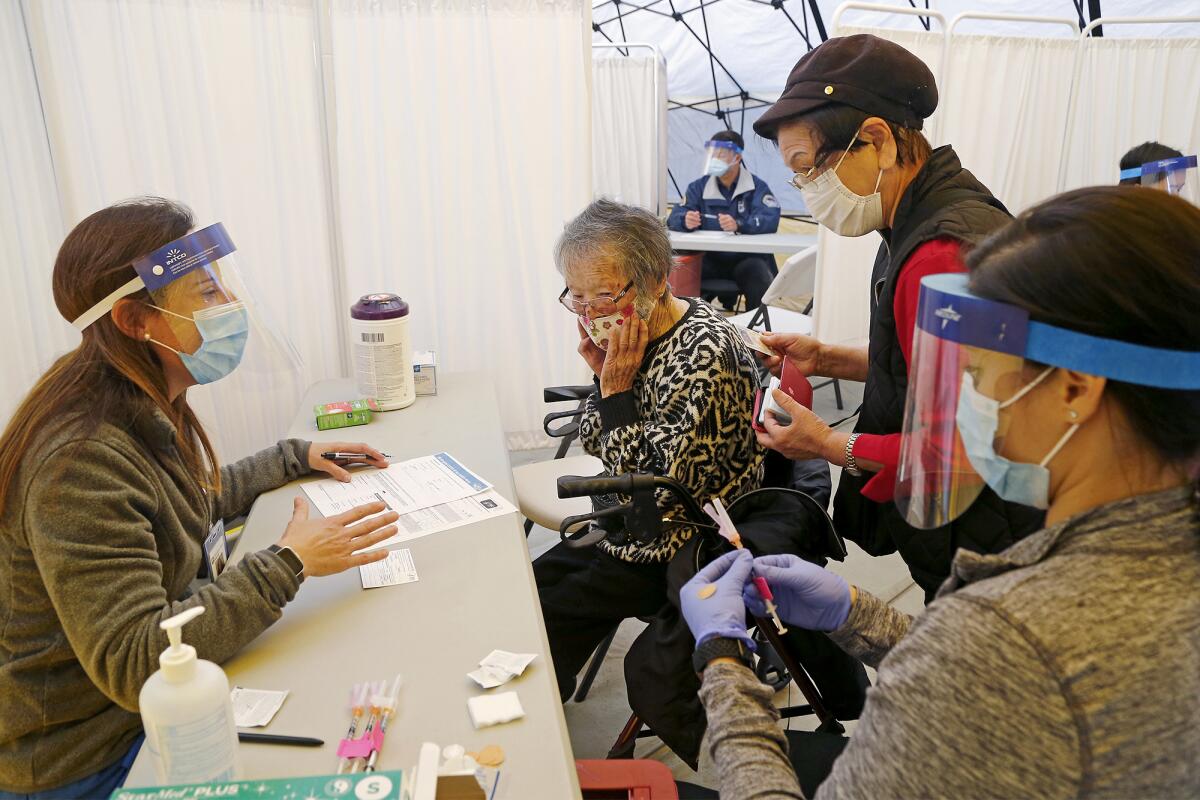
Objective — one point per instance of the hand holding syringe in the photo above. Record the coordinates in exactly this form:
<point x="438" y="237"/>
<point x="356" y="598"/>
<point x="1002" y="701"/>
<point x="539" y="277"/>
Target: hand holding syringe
<point x="716" y="510"/>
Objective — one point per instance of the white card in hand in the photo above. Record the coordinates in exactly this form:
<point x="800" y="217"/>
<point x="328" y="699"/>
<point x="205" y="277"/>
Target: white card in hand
<point x="753" y="340"/>
<point x="397" y="568"/>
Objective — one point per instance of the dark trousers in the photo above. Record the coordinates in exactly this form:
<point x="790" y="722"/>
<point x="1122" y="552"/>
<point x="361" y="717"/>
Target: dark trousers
<point x="585" y="593"/>
<point x="752" y="273"/>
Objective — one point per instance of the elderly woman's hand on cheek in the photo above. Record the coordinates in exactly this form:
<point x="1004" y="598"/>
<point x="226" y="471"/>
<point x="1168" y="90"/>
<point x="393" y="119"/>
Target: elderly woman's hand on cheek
<point x="624" y="357"/>
<point x="806" y="437"/>
<point x="592" y="354"/>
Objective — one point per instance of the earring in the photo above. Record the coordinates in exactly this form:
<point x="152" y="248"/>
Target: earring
<point x="1073" y="414"/>
<point x="146" y="336"/>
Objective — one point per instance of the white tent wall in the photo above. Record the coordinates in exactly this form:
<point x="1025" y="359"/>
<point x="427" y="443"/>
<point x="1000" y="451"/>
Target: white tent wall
<point x="629" y="126"/>
<point x="758" y="45"/>
<point x="30" y="223"/>
<point x="463" y="147"/>
<point x="220" y="104"/>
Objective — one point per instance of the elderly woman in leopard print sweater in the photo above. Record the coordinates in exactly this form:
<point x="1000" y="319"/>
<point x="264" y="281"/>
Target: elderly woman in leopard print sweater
<point x="675" y="397"/>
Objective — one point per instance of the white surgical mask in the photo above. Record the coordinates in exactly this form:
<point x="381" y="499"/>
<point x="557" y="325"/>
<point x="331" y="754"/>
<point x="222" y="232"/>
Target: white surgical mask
<point x="716" y="167"/>
<point x="978" y="418"/>
<point x="845" y="213"/>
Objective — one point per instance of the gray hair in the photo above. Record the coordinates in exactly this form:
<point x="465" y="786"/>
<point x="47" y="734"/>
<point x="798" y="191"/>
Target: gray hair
<point x="631" y="238"/>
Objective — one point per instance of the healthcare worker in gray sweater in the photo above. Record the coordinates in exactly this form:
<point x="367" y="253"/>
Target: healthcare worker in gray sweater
<point x="1064" y="373"/>
<point x="109" y="488"/>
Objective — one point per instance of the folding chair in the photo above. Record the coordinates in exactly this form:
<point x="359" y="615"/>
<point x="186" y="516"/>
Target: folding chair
<point x="536" y="483"/>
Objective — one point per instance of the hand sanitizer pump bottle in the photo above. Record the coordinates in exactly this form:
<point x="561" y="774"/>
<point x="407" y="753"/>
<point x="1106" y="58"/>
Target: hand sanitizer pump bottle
<point x="187" y="713"/>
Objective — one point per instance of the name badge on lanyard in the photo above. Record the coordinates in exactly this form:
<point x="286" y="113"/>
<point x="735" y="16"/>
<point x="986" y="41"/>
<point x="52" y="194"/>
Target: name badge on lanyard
<point x="216" y="552"/>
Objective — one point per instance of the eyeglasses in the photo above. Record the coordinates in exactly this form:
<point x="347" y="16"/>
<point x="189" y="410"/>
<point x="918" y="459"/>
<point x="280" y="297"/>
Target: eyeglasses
<point x="802" y="179"/>
<point x="602" y="306"/>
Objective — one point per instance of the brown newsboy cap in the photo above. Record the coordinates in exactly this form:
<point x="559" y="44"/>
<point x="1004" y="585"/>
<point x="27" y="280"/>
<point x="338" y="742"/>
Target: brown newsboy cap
<point x="863" y="71"/>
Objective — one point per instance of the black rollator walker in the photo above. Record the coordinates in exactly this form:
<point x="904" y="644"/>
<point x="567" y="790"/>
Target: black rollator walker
<point x="639" y="519"/>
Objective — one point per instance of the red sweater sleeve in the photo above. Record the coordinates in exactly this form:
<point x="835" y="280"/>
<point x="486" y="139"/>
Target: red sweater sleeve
<point x="932" y="258"/>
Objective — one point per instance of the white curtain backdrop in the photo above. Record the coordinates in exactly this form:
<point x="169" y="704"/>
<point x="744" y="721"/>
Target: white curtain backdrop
<point x="1132" y="90"/>
<point x="629" y="127"/>
<point x="463" y="147"/>
<point x="213" y="103"/>
<point x="30" y="223"/>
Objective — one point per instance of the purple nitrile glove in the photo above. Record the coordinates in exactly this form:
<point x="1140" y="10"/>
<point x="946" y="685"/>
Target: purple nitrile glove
<point x="711" y="613"/>
<point x="806" y="595"/>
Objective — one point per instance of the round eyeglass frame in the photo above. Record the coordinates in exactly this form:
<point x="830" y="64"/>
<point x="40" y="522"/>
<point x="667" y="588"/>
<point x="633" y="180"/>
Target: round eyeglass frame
<point x="581" y="308"/>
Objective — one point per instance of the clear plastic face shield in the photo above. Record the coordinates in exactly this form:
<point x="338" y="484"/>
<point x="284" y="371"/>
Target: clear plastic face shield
<point x="719" y="157"/>
<point x="208" y="317"/>
<point x="974" y="361"/>
<point x="1175" y="176"/>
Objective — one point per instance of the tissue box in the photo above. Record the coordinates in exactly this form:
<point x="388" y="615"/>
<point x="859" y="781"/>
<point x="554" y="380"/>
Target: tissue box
<point x="425" y="372"/>
<point x="345" y="414"/>
<point x="387" y="785"/>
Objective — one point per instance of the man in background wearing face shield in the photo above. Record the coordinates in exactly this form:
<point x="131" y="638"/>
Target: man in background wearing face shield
<point x="1173" y="174"/>
<point x="729" y="198"/>
<point x="848" y="123"/>
<point x="1131" y="162"/>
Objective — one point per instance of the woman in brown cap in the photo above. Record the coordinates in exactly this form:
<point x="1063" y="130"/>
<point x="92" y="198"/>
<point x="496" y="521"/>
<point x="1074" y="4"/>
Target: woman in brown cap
<point x="849" y="124"/>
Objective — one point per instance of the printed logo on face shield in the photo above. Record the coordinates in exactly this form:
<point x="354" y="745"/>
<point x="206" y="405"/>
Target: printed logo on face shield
<point x="175" y="255"/>
<point x="947" y="315"/>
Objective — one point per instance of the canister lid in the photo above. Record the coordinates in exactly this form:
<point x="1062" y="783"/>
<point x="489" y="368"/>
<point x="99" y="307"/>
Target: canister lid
<point x="379" y="306"/>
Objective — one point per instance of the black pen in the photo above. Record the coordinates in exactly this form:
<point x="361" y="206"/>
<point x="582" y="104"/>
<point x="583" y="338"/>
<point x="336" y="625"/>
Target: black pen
<point x="271" y="738"/>
<point x="350" y="456"/>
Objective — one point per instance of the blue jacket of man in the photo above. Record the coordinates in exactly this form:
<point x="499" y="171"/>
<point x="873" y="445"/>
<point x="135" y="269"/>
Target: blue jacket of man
<point x="750" y="203"/>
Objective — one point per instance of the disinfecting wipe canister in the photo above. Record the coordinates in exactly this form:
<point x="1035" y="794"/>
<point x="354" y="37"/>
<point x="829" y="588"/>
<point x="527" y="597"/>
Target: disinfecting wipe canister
<point x="187" y="713"/>
<point x="382" y="350"/>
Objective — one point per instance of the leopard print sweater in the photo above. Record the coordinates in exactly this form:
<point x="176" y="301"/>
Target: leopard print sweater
<point x="687" y="416"/>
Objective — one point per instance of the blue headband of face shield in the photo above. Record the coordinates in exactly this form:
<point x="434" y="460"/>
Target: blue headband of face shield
<point x="949" y="311"/>
<point x="166" y="264"/>
<point x="224" y="329"/>
<point x="1159" y="167"/>
<point x="723" y="145"/>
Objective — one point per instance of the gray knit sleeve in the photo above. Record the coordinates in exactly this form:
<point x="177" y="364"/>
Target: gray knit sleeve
<point x="90" y="514"/>
<point x="746" y="745"/>
<point x="872" y="629"/>
<point x="243" y="481"/>
<point x="968" y="704"/>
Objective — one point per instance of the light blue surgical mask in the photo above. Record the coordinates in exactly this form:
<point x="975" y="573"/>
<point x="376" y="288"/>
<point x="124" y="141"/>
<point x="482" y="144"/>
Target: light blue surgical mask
<point x="716" y="167"/>
<point x="978" y="418"/>
<point x="224" y="330"/>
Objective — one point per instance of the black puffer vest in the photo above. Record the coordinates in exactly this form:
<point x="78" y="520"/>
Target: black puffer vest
<point x="944" y="200"/>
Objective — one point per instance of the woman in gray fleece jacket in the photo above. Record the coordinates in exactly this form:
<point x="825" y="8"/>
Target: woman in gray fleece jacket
<point x="1069" y="664"/>
<point x="108" y="489"/>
